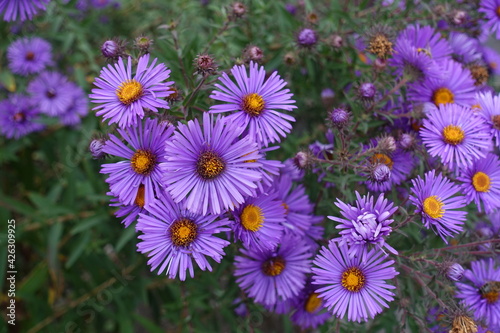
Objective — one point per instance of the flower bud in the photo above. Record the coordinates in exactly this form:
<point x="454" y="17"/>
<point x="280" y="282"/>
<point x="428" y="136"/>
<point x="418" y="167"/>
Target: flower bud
<point x="336" y="41"/>
<point x="339" y="117"/>
<point x="380" y="64"/>
<point x="307" y="38"/>
<point x="253" y="53"/>
<point x="387" y="144"/>
<point x="205" y="64"/>
<point x="143" y="43"/>
<point x="407" y="141"/>
<point x="238" y="9"/>
<point x="380" y="173"/>
<point x="454" y="272"/>
<point x="302" y="160"/>
<point x="367" y="90"/>
<point x="96" y="148"/>
<point x="113" y="49"/>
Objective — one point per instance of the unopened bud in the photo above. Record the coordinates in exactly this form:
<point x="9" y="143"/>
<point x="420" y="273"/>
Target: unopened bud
<point x="302" y="160"/>
<point x="96" y="148"/>
<point x="327" y="96"/>
<point x="380" y="173"/>
<point x="454" y="272"/>
<point x="387" y="144"/>
<point x="205" y="64"/>
<point x="407" y="141"/>
<point x="238" y="9"/>
<point x="367" y="90"/>
<point x="459" y="17"/>
<point x="339" y="117"/>
<point x="380" y="64"/>
<point x="307" y="38"/>
<point x="143" y="43"/>
<point x="336" y="41"/>
<point x="253" y="53"/>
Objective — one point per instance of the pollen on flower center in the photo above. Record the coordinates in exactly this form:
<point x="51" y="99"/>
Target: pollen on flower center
<point x="143" y="162"/>
<point x="273" y="266"/>
<point x="481" y="182"/>
<point x="30" y="55"/>
<point x="442" y="96"/>
<point x="210" y="165"/>
<point x="353" y="279"/>
<point x="139" y="198"/>
<point x="19" y="117"/>
<point x="433" y="207"/>
<point x="287" y="208"/>
<point x="313" y="302"/>
<point x="129" y="92"/>
<point x="382" y="158"/>
<point x="498" y="11"/>
<point x="453" y="135"/>
<point x="253" y="104"/>
<point x="183" y="232"/>
<point x="252" y="218"/>
<point x="496" y="121"/>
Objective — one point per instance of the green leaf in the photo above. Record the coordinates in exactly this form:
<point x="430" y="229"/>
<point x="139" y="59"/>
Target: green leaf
<point x="88" y="223"/>
<point x="147" y="324"/>
<point x="78" y="249"/>
<point x="126" y="236"/>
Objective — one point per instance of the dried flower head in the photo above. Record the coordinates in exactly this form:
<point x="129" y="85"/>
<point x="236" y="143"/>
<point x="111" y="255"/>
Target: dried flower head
<point x="205" y="64"/>
<point x="253" y="53"/>
<point x="238" y="9"/>
<point x="379" y="41"/>
<point x="143" y="43"/>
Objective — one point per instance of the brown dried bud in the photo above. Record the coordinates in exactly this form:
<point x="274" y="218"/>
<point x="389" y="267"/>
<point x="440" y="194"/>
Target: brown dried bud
<point x="238" y="9"/>
<point x="253" y="53"/>
<point x="205" y="64"/>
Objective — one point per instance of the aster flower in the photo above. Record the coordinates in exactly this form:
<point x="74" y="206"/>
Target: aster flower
<point x="52" y="92"/>
<point x="434" y="197"/>
<point x="490" y="10"/>
<point x="400" y="164"/>
<point x="492" y="59"/>
<point x="481" y="294"/>
<point x="131" y="212"/>
<point x="258" y="221"/>
<point x="367" y="223"/>
<point x="255" y="102"/>
<point x="308" y="308"/>
<point x="141" y="164"/>
<point x="21" y="9"/>
<point x="465" y="49"/>
<point x="427" y="41"/>
<point x="409" y="60"/>
<point x="211" y="168"/>
<point x="489" y="106"/>
<point x="274" y="275"/>
<point x="123" y="98"/>
<point x="456" y="85"/>
<point x="77" y="109"/>
<point x="455" y="134"/>
<point x="19" y="116"/>
<point x="353" y="285"/>
<point x="481" y="183"/>
<point x="173" y="237"/>
<point x="29" y="55"/>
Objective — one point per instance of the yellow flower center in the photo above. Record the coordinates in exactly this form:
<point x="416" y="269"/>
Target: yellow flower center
<point x="183" y="232"/>
<point x="253" y="104"/>
<point x="143" y="162"/>
<point x="353" y="279"/>
<point x="433" y="207"/>
<point x="287" y="208"/>
<point x="384" y="159"/>
<point x="139" y="198"/>
<point x="426" y="51"/>
<point x="273" y="266"/>
<point x="481" y="182"/>
<point x="498" y="11"/>
<point x="453" y="135"/>
<point x="313" y="302"/>
<point x="210" y="165"/>
<point x="129" y="91"/>
<point x="442" y="96"/>
<point x="490" y="291"/>
<point x="252" y="218"/>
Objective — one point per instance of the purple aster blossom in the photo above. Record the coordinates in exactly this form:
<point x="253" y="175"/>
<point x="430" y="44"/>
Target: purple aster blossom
<point x="269" y="169"/>
<point x="365" y="224"/>
<point x="490" y="8"/>
<point x="489" y="106"/>
<point x="274" y="275"/>
<point x="454" y="272"/>
<point x="21" y="10"/>
<point x="258" y="222"/>
<point x="455" y="134"/>
<point x="465" y="49"/>
<point x="77" y="109"/>
<point x="142" y="159"/>
<point x="29" y="55"/>
<point x="481" y="183"/>
<point x="254" y="102"/>
<point x="173" y="237"/>
<point x="19" y="116"/>
<point x="130" y="213"/>
<point x="426" y="40"/>
<point x="211" y="168"/>
<point x="281" y="306"/>
<point x="309" y="311"/>
<point x="409" y="59"/>
<point x="436" y="200"/>
<point x="123" y="98"/>
<point x="307" y="37"/>
<point x="455" y="86"/>
<point x="492" y="59"/>
<point x="353" y="285"/>
<point x="52" y="92"/>
<point x="400" y="163"/>
<point x="481" y="294"/>
<point x="292" y="171"/>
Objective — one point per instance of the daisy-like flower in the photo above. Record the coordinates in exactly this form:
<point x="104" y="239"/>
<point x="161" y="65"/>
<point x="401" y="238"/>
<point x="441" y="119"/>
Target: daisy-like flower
<point x="29" y="55"/>
<point x="212" y="168"/>
<point x="52" y="92"/>
<point x="481" y="183"/>
<point x="19" y="116"/>
<point x="365" y="224"/>
<point x="130" y="213"/>
<point x="259" y="221"/>
<point x="309" y="311"/>
<point x="455" y="86"/>
<point x="492" y="59"/>
<point x="21" y="10"/>
<point x="123" y="98"/>
<point x="353" y="285"/>
<point x="491" y="10"/>
<point x="255" y="102"/>
<point x="142" y="160"/>
<point x="427" y="41"/>
<point x="274" y="275"/>
<point x="489" y="107"/>
<point x="409" y="60"/>
<point x="481" y="294"/>
<point x="399" y="165"/>
<point x="455" y="134"/>
<point x="173" y="237"/>
<point x="77" y="109"/>
<point x="465" y="49"/>
<point x="434" y="197"/>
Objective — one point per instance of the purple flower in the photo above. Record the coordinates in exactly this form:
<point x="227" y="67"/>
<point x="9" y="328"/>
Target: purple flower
<point x="365" y="224"/>
<point x="482" y="294"/>
<point x="489" y="107"/>
<point x="434" y="197"/>
<point x="400" y="163"/>
<point x="274" y="275"/>
<point x="142" y="161"/>
<point x="123" y="98"/>
<point x="490" y="8"/>
<point x="492" y="59"/>
<point x="481" y="183"/>
<point x="21" y="9"/>
<point x="173" y="237"/>
<point x="355" y="285"/>
<point x="426" y="41"/>
<point x="255" y="102"/>
<point x="52" y="92"/>
<point x="29" y="55"/>
<point x="455" y="134"/>
<point x="367" y="90"/>
<point x="19" y="116"/>
<point x="409" y="59"/>
<point x="130" y="212"/>
<point x="455" y="272"/>
<point x="307" y="37"/>
<point x="465" y="49"/>
<point x="77" y="109"/>
<point x="309" y="311"/>
<point x="211" y="168"/>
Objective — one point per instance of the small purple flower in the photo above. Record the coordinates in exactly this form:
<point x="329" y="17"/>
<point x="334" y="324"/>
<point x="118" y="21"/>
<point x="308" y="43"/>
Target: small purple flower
<point x="307" y="37"/>
<point x="454" y="272"/>
<point x="465" y="49"/>
<point x="412" y="60"/>
<point x="491" y="10"/>
<point x="21" y="10"/>
<point x="489" y="110"/>
<point x="339" y="117"/>
<point x="367" y="90"/>
<point x="77" y="109"/>
<point x="29" y="55"/>
<point x="19" y="116"/>
<point x="353" y="285"/>
<point x="426" y="41"/>
<point x="96" y="147"/>
<point x="131" y="212"/>
<point x="309" y="311"/>
<point x="52" y="92"/>
<point x="491" y="59"/>
<point x="400" y="163"/>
